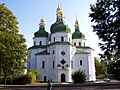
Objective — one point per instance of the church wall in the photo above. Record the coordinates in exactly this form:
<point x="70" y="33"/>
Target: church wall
<point x="84" y="67"/>
<point x="58" y="35"/>
<point x="45" y="41"/>
<point x="82" y="41"/>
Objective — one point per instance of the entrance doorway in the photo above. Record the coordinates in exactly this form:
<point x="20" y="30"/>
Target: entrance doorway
<point x="45" y="79"/>
<point x="63" y="77"/>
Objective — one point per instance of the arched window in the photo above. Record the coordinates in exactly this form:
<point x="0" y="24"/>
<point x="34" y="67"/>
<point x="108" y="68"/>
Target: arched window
<point x="80" y="62"/>
<point x="75" y="43"/>
<point x="53" y="51"/>
<point x="43" y="64"/>
<point x="53" y="64"/>
<point x="40" y="43"/>
<point x="28" y="63"/>
<point x="54" y="39"/>
<point x="71" y="64"/>
<point x="84" y="44"/>
<point x="34" y="43"/>
<point x="62" y="38"/>
<point x="79" y="43"/>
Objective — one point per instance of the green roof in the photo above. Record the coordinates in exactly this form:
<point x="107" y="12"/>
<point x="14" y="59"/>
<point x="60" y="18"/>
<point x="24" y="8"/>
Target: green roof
<point x="78" y="35"/>
<point x="59" y="27"/>
<point x="81" y="52"/>
<point x="85" y="47"/>
<point x="60" y="43"/>
<point x="38" y="46"/>
<point x="43" y="53"/>
<point x="41" y="33"/>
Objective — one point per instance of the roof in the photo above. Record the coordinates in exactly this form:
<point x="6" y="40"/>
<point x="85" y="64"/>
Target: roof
<point x="84" y="47"/>
<point x="78" y="35"/>
<point x="59" y="27"/>
<point x="81" y="52"/>
<point x="38" y="46"/>
<point x="43" y="53"/>
<point x="60" y="43"/>
<point x="41" y="33"/>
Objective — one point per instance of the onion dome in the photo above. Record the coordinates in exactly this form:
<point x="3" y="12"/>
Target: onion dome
<point x="41" y="32"/>
<point x="77" y="34"/>
<point x="59" y="25"/>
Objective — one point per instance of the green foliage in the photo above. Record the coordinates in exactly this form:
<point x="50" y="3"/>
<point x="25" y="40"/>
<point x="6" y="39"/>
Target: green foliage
<point x="23" y="79"/>
<point x="106" y="16"/>
<point x="115" y="70"/>
<point x="100" y="67"/>
<point x="13" y="49"/>
<point x="78" y="76"/>
<point x="35" y="75"/>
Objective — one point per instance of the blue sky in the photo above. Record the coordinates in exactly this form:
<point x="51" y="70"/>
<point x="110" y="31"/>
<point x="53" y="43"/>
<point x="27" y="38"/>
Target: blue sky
<point x="29" y="13"/>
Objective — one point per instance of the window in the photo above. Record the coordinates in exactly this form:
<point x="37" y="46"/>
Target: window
<point x="75" y="43"/>
<point x="40" y="43"/>
<point x="53" y="52"/>
<point x="62" y="38"/>
<point x="79" y="43"/>
<point x="62" y="67"/>
<point x="54" y="39"/>
<point x="28" y="65"/>
<point x="84" y="44"/>
<point x="53" y="64"/>
<point x="71" y="64"/>
<point x="69" y="39"/>
<point x="80" y="62"/>
<point x="34" y="43"/>
<point x="43" y="64"/>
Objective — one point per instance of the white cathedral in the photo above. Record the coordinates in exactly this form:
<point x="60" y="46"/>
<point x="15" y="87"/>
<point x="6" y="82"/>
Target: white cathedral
<point x="59" y="54"/>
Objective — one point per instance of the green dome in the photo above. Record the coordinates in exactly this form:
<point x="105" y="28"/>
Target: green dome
<point x="78" y="35"/>
<point x="59" y="27"/>
<point x="41" y="33"/>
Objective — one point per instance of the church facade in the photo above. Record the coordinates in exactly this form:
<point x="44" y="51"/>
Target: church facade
<point x="59" y="54"/>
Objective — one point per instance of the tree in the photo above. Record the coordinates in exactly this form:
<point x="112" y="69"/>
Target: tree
<point x="100" y="67"/>
<point x="115" y="69"/>
<point x="106" y="16"/>
<point x="13" y="49"/>
<point x="79" y="76"/>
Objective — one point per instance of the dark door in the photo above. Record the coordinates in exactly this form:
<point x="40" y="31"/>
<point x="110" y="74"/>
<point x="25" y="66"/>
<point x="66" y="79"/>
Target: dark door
<point x="63" y="77"/>
<point x="45" y="78"/>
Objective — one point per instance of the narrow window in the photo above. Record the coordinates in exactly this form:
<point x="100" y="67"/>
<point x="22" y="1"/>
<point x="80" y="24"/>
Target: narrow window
<point x="80" y="62"/>
<point x="62" y="67"/>
<point x="34" y="43"/>
<point x="53" y="64"/>
<point x="79" y="43"/>
<point x="84" y="44"/>
<point x="69" y="39"/>
<point x="62" y="38"/>
<point x="53" y="52"/>
<point x="54" y="39"/>
<point x="28" y="65"/>
<point x="43" y="64"/>
<point x="40" y="43"/>
<point x="75" y="43"/>
<point x="71" y="64"/>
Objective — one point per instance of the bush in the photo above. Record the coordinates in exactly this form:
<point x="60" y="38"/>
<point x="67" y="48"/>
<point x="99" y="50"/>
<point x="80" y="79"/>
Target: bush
<point x="78" y="76"/>
<point x="23" y="79"/>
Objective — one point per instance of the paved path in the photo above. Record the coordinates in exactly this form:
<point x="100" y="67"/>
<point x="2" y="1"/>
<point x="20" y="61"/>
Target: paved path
<point x="99" y="85"/>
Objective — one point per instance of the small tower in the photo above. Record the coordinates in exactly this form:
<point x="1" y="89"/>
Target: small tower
<point x="77" y="36"/>
<point x="41" y="36"/>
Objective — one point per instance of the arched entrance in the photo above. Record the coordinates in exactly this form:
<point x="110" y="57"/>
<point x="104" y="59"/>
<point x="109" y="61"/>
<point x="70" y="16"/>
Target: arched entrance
<point x="63" y="77"/>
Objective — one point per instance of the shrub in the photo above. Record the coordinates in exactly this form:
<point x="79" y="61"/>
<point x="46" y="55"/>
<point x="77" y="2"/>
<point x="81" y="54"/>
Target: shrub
<point x="23" y="79"/>
<point x="78" y="76"/>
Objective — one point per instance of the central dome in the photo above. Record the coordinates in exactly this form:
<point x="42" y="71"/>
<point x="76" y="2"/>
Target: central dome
<point x="59" y="27"/>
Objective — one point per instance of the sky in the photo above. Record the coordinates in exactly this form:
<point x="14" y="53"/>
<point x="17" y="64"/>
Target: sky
<point x="29" y="13"/>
